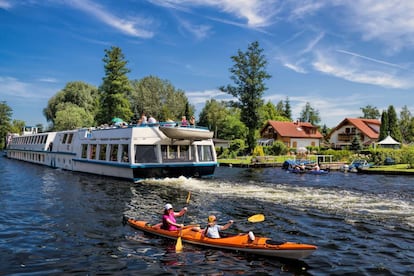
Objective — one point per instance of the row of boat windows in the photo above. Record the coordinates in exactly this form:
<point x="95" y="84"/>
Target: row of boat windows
<point x="29" y="156"/>
<point x="147" y="153"/>
<point x="40" y="139"/>
<point x="31" y="140"/>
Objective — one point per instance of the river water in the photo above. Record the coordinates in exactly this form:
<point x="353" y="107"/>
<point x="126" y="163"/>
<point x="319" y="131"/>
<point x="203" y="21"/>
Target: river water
<point x="55" y="222"/>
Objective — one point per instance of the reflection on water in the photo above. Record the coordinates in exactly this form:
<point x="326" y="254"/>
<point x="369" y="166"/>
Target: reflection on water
<point x="55" y="222"/>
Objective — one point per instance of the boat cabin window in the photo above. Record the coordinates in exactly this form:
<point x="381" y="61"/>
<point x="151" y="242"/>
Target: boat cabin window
<point x="84" y="151"/>
<point x="92" y="151"/>
<point x="176" y="153"/>
<point x="102" y="152"/>
<point x="113" y="153"/>
<point x="64" y="138"/>
<point x="70" y="136"/>
<point x="125" y="153"/>
<point x="186" y="154"/>
<point x="205" y="153"/>
<point x="145" y="154"/>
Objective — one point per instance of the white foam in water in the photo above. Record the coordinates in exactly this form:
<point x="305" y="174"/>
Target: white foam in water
<point x="331" y="200"/>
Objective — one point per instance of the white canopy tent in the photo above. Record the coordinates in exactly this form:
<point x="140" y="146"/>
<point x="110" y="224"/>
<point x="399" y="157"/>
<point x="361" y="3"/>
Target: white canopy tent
<point x="389" y="142"/>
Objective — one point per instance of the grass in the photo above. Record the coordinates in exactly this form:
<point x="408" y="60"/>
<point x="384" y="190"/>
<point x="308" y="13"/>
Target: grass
<point x="392" y="168"/>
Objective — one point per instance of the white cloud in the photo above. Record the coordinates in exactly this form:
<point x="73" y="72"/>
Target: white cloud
<point x="199" y="31"/>
<point x="257" y="13"/>
<point x="390" y="22"/>
<point x="200" y="97"/>
<point x="126" y="26"/>
<point x="15" y="89"/>
<point x="357" y="72"/>
<point x="372" y="59"/>
<point x="304" y="8"/>
<point x="295" y="67"/>
<point x="4" y="4"/>
<point x="50" y="80"/>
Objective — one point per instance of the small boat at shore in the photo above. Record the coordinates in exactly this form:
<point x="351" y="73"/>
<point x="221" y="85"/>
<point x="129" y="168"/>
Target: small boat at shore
<point x="186" y="132"/>
<point x="294" y="170"/>
<point x="247" y="243"/>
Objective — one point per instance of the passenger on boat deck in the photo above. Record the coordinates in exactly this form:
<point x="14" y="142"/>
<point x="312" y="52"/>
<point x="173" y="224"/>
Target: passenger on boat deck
<point x="212" y="229"/>
<point x="143" y="119"/>
<point x="151" y="120"/>
<point x="168" y="218"/>
<point x="192" y="121"/>
<point x="184" y="121"/>
<point x="316" y="167"/>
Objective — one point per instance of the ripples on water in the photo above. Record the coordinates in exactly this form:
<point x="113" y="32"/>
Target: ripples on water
<point x="55" y="222"/>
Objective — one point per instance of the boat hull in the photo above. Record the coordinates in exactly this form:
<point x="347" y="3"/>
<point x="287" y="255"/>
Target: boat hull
<point x="242" y="242"/>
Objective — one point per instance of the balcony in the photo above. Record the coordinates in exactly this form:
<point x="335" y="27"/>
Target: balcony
<point x="348" y="137"/>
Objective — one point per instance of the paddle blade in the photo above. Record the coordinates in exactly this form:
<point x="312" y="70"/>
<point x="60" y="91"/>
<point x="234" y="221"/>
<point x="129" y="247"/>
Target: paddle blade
<point x="188" y="197"/>
<point x="256" y="218"/>
<point x="179" y="245"/>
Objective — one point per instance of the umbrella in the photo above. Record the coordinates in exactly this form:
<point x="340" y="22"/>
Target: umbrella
<point x="301" y="150"/>
<point x="117" y="120"/>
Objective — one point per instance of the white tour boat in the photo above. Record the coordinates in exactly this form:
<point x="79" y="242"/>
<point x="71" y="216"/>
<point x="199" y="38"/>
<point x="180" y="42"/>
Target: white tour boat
<point x="132" y="152"/>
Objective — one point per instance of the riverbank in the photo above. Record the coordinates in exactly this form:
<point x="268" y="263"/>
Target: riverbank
<point x="399" y="169"/>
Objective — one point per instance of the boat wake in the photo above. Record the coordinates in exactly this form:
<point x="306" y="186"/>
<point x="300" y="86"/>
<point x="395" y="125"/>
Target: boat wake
<point x="351" y="205"/>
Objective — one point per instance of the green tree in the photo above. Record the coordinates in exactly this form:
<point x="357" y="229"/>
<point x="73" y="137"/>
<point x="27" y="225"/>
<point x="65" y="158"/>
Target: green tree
<point x="356" y="144"/>
<point x="393" y="127"/>
<point x="71" y="116"/>
<point x="310" y="115"/>
<point x="80" y="94"/>
<point x="214" y="115"/>
<point x="232" y="128"/>
<point x="17" y="126"/>
<point x="370" y="112"/>
<point x="406" y="125"/>
<point x="384" y="126"/>
<point x="115" y="88"/>
<point x="248" y="75"/>
<point x="5" y="117"/>
<point x="159" y="98"/>
<point x="269" y="112"/>
<point x="325" y="131"/>
<point x="287" y="110"/>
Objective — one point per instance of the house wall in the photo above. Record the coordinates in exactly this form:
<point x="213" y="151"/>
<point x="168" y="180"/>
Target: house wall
<point x="300" y="142"/>
<point x="343" y="136"/>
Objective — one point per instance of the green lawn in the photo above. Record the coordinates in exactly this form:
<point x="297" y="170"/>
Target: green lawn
<point x="390" y="168"/>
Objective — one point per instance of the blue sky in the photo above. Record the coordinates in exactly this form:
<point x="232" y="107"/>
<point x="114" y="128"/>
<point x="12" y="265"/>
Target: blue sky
<point x="338" y="55"/>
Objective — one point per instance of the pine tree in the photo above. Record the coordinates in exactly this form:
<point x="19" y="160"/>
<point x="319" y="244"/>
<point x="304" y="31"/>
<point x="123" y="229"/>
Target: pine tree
<point x="115" y="88"/>
<point x="384" y="126"/>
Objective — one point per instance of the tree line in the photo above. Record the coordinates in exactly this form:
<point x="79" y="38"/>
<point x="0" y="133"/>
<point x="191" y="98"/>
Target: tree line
<point x="80" y="104"/>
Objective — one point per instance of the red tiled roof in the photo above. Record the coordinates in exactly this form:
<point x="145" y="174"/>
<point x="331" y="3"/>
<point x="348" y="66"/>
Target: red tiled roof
<point x="295" y="129"/>
<point x="363" y="125"/>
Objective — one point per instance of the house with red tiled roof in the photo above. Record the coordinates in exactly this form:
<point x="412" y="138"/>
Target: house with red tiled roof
<point x="292" y="134"/>
<point x="366" y="129"/>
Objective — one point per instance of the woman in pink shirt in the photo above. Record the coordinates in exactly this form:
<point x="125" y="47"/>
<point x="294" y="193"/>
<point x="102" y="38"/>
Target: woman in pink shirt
<point x="168" y="218"/>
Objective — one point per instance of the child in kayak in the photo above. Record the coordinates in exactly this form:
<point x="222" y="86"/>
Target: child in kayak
<point x="168" y="218"/>
<point x="213" y="229"/>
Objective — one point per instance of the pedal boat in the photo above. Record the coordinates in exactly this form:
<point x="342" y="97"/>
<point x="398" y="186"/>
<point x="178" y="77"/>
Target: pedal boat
<point x="241" y="242"/>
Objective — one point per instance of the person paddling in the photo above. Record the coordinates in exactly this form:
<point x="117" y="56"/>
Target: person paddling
<point x="213" y="229"/>
<point x="168" y="218"/>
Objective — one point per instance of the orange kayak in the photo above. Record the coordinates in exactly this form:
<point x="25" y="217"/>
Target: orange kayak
<point x="241" y="242"/>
